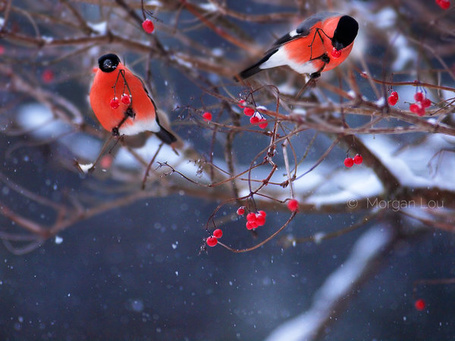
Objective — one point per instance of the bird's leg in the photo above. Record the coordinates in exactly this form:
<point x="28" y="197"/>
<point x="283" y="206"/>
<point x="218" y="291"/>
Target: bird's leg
<point x="315" y="75"/>
<point x="129" y="113"/>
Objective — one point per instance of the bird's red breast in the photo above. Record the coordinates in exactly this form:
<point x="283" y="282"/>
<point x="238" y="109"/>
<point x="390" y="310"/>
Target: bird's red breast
<point x="109" y="85"/>
<point x="317" y="43"/>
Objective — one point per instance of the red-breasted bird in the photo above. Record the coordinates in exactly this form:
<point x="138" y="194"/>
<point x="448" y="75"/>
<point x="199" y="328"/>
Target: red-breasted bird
<point x="320" y="43"/>
<point x="121" y="102"/>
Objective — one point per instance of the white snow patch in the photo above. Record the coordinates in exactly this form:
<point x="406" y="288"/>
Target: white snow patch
<point x="100" y="28"/>
<point x="47" y="39"/>
<point x="182" y="62"/>
<point x="352" y="94"/>
<point x="425" y="165"/>
<point x="85" y="167"/>
<point x="346" y="187"/>
<point x="337" y="285"/>
<point x="299" y="111"/>
<point x="405" y="54"/>
<point x="385" y="18"/>
<point x="209" y="7"/>
<point x="318" y="237"/>
<point x="380" y="102"/>
<point x="287" y="88"/>
<point x="384" y="148"/>
<point x="218" y="52"/>
<point x="40" y="122"/>
<point x="154" y="3"/>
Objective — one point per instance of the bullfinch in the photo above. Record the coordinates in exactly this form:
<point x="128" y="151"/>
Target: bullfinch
<point x="320" y="43"/>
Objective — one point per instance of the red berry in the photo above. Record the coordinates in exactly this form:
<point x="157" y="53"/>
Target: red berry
<point x="248" y="111"/>
<point x="251" y="217"/>
<point x="262" y="213"/>
<point x="293" y="205"/>
<point x="207" y="116"/>
<point x="126" y="99"/>
<point x="336" y="53"/>
<point x="349" y="162"/>
<point x="260" y="220"/>
<point x="218" y="233"/>
<point x="241" y="103"/>
<point x="47" y="76"/>
<point x="358" y="159"/>
<point x="114" y="103"/>
<point x="393" y="98"/>
<point x="420" y="304"/>
<point x="250" y="225"/>
<point x="264" y="123"/>
<point x="426" y="103"/>
<point x="106" y="161"/>
<point x="254" y="119"/>
<point x="418" y="96"/>
<point x="417" y="108"/>
<point x="241" y="210"/>
<point x="414" y="108"/>
<point x="212" y="241"/>
<point x="444" y="4"/>
<point x="148" y="26"/>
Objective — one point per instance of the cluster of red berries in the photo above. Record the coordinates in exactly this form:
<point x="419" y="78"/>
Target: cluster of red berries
<point x="207" y="116"/>
<point x="393" y="98"/>
<point x="255" y="117"/>
<point x="213" y="239"/>
<point x="421" y="103"/>
<point x="147" y="26"/>
<point x="253" y="220"/>
<point x="349" y="161"/>
<point x="444" y="4"/>
<point x="115" y="102"/>
<point x="335" y="53"/>
<point x="293" y="205"/>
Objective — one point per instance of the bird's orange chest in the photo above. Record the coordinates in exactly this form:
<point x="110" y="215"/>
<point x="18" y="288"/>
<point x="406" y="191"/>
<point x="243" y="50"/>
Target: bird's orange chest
<point x="316" y="44"/>
<point x="121" y="82"/>
<point x="308" y="48"/>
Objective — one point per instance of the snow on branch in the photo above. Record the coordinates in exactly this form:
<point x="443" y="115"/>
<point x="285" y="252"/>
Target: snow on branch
<point x="368" y="250"/>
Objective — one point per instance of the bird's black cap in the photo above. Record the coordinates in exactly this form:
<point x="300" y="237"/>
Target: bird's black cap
<point x="108" y="62"/>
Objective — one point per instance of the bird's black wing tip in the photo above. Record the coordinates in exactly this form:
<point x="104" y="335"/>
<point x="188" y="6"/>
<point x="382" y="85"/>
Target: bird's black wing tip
<point x="252" y="70"/>
<point x="255" y="68"/>
<point x="166" y="136"/>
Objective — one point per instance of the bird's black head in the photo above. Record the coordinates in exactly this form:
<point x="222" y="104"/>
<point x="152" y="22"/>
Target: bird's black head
<point x="108" y="62"/>
<point x="345" y="32"/>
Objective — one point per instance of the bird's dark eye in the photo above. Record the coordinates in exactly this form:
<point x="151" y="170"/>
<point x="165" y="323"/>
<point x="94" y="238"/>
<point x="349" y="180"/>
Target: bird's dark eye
<point x="108" y="64"/>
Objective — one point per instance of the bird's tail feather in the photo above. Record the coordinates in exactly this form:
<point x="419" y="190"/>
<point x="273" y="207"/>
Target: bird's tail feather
<point x="255" y="68"/>
<point x="166" y="136"/>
